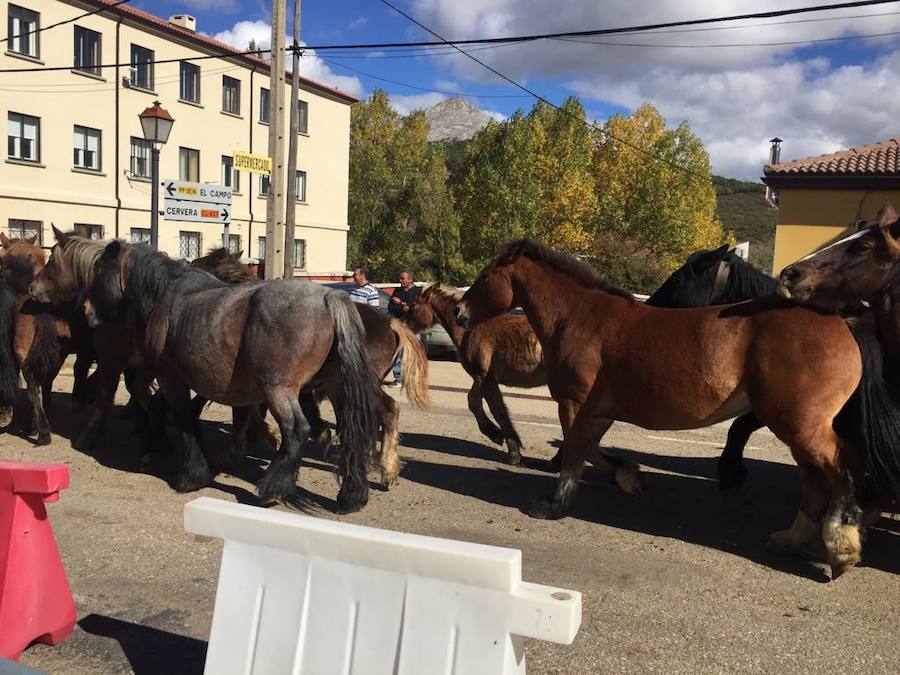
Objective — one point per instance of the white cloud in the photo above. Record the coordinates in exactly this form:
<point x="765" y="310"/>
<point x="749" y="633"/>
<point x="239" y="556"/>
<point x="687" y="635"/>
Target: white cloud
<point x="406" y="104"/>
<point x="448" y="85"/>
<point x="734" y="98"/>
<point x="500" y="117"/>
<point x="358" y="22"/>
<point x="311" y="66"/>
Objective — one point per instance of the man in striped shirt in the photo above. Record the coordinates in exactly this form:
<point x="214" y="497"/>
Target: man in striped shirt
<point x="364" y="292"/>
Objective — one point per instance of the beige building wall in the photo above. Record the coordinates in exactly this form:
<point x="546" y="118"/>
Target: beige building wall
<point x="51" y="190"/>
<point x="809" y="219"/>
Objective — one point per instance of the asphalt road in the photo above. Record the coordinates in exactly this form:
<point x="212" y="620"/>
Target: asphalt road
<point x="675" y="580"/>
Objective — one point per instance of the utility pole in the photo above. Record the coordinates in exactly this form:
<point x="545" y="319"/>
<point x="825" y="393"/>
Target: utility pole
<point x="291" y="208"/>
<point x="275" y="202"/>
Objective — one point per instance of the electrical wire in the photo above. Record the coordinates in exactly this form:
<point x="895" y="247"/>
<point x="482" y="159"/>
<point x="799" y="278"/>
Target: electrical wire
<point x="62" y="23"/>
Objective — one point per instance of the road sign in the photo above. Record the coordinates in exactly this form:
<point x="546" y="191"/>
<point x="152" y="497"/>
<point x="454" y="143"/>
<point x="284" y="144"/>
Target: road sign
<point x="197" y="212"/>
<point x="244" y="161"/>
<point x="197" y="192"/>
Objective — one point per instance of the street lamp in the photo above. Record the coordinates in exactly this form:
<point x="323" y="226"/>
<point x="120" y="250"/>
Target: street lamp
<point x="156" y="123"/>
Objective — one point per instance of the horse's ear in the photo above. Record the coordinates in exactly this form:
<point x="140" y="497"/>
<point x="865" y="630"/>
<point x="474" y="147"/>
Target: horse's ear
<point x="237" y="256"/>
<point x="31" y="239"/>
<point x="887" y="215"/>
<point x="5" y="241"/>
<point x="112" y="251"/>
<point x="61" y="238"/>
<point x="722" y="251"/>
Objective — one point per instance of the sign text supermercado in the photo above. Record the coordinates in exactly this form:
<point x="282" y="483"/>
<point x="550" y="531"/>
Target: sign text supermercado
<point x="244" y="161"/>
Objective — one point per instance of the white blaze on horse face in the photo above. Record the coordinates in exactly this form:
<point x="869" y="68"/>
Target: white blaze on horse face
<point x="850" y="237"/>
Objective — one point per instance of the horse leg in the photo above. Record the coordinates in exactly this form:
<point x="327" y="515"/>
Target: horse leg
<point x="39" y="416"/>
<point x="154" y="442"/>
<point x="391" y="464"/>
<point x="319" y="431"/>
<point x="803" y="536"/>
<point x="80" y="370"/>
<point x="732" y="472"/>
<point x="106" y="380"/>
<point x="586" y="430"/>
<point x="842" y="529"/>
<point x="194" y="472"/>
<point x="280" y="479"/>
<point x="498" y="409"/>
<point x="485" y="425"/>
<point x="240" y="425"/>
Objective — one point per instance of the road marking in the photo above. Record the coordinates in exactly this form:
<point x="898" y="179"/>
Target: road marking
<point x="540" y="424"/>
<point x="694" y="442"/>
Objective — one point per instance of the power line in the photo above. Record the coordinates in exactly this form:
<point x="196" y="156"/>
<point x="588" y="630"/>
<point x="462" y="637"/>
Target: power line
<point x="590" y="125"/>
<point x="62" y="23"/>
<point x="722" y="46"/>
<point x="511" y="39"/>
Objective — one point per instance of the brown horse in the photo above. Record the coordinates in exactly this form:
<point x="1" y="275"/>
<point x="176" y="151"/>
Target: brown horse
<point x="501" y="350"/>
<point x="41" y="336"/>
<point x="611" y="358"/>
<point x="385" y="337"/>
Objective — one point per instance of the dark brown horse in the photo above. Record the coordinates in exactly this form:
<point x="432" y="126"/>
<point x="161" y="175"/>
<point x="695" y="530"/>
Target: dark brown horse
<point x="611" y="358"/>
<point x="385" y="337"/>
<point x="242" y="345"/>
<point x="42" y="336"/>
<point x="502" y="350"/>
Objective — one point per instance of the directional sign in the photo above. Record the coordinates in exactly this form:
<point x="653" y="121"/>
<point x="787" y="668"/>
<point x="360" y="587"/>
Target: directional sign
<point x="244" y="161"/>
<point x="197" y="212"/>
<point x="197" y="192"/>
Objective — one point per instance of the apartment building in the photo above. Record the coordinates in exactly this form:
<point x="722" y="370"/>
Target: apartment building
<point x="76" y="157"/>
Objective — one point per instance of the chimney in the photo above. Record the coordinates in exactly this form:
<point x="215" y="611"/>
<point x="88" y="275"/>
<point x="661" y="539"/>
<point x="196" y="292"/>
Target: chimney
<point x="185" y="21"/>
<point x="774" y="158"/>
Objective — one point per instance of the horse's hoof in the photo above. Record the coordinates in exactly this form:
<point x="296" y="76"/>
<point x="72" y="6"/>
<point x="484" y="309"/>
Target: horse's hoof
<point x="6" y="416"/>
<point x="514" y="459"/>
<point x="630" y="480"/>
<point x="731" y="480"/>
<point x="43" y="439"/>
<point x="349" y="504"/>
<point x="85" y="440"/>
<point x="191" y="483"/>
<point x="276" y="485"/>
<point x="545" y="508"/>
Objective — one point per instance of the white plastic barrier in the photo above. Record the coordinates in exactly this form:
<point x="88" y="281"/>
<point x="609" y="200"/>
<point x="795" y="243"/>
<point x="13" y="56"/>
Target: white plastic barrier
<point x="305" y="595"/>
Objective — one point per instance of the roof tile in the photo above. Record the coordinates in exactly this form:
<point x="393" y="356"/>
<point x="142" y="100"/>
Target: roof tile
<point x="877" y="159"/>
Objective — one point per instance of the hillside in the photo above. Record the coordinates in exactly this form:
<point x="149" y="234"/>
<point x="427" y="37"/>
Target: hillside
<point x="454" y="119"/>
<point x="743" y="210"/>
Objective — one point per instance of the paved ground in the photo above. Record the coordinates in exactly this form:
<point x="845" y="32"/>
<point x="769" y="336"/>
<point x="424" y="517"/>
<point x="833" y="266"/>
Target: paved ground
<point x="673" y="581"/>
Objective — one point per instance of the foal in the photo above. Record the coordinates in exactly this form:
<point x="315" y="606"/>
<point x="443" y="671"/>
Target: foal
<point x="611" y="358"/>
<point x="501" y="350"/>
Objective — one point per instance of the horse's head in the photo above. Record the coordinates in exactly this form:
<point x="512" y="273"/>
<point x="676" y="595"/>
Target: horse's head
<point x="69" y="269"/>
<point x="850" y="270"/>
<point x="421" y="315"/>
<point x="492" y="292"/>
<point x="105" y="299"/>
<point x="25" y="248"/>
<point x="694" y="283"/>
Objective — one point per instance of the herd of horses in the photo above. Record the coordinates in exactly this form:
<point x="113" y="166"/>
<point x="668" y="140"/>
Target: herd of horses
<point x="813" y="356"/>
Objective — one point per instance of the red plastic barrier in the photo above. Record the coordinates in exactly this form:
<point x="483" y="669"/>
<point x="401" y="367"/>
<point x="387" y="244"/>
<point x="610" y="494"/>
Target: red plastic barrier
<point x="35" y="600"/>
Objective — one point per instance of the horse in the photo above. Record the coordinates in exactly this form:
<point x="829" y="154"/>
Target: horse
<point x="41" y="336"/>
<point x="242" y="345"/>
<point x="385" y="337"/>
<point x="611" y="358"/>
<point x="501" y="350"/>
<point x="719" y="277"/>
<point x="864" y="267"/>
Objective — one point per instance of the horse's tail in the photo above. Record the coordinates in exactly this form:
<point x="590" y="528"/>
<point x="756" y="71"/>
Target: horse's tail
<point x="9" y="367"/>
<point x="871" y="422"/>
<point x="414" y="366"/>
<point x="358" y="419"/>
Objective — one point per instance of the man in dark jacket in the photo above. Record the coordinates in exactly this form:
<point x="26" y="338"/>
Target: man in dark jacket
<point x="401" y="301"/>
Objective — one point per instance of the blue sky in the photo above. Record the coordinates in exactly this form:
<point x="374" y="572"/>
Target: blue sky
<point x="818" y="97"/>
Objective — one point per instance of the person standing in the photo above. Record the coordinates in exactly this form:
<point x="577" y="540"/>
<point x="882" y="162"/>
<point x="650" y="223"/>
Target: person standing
<point x="363" y="292"/>
<point x="401" y="301"/>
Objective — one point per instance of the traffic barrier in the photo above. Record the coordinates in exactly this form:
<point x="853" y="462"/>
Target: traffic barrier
<point x="35" y="600"/>
<point x="298" y="594"/>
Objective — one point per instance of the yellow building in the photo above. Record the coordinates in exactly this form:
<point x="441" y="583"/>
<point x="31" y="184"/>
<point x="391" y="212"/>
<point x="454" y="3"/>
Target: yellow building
<point x="821" y="198"/>
<point x="75" y="154"/>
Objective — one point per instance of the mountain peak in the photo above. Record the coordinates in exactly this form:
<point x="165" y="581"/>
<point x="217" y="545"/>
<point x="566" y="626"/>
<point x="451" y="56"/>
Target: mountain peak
<point x="455" y="119"/>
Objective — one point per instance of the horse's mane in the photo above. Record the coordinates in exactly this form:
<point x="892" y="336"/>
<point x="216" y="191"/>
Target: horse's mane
<point x="447" y="291"/>
<point x="581" y="271"/>
<point x="745" y="281"/>
<point x="83" y="254"/>
<point x="224" y="266"/>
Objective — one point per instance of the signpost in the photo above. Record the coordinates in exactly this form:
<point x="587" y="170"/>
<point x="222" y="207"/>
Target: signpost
<point x="198" y="203"/>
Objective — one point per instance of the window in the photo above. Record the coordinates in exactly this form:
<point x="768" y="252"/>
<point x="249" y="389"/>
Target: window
<point x="140" y="157"/>
<point x="230" y="177"/>
<point x="234" y="244"/>
<point x="264" y="105"/>
<point x="94" y="232"/>
<point x="22" y="28"/>
<point x="190" y="82"/>
<point x="87" y="50"/>
<point x="262" y="249"/>
<point x="23" y="137"/>
<point x="263" y="185"/>
<point x="140" y="235"/>
<point x="189" y="245"/>
<point x="231" y="95"/>
<point x="22" y="229"/>
<point x="302" y="117"/>
<point x="300" y="253"/>
<point x="300" y="186"/>
<point x="188" y="164"/>
<point x="141" y="67"/>
<point x="87" y="148"/>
